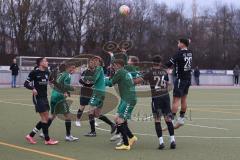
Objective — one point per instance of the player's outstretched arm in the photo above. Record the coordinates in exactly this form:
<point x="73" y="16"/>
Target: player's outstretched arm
<point x="138" y="80"/>
<point x="108" y="82"/>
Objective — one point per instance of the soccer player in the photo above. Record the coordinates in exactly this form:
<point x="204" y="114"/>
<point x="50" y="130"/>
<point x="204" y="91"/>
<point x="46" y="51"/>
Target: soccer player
<point x="98" y="96"/>
<point x="182" y="63"/>
<point x="113" y="56"/>
<point x="86" y="90"/>
<point x="127" y="92"/>
<point x="133" y="70"/>
<point x="39" y="77"/>
<point x="159" y="82"/>
<point x="59" y="103"/>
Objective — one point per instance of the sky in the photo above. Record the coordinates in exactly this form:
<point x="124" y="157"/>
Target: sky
<point x="201" y="4"/>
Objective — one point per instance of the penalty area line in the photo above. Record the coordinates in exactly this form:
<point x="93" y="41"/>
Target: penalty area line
<point x="152" y="135"/>
<point x="195" y="125"/>
<point x="35" y="151"/>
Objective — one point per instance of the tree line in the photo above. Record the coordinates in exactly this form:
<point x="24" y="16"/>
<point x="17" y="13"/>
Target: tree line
<point x="71" y="27"/>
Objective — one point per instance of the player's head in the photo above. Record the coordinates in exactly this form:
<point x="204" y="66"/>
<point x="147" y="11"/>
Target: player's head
<point x="183" y="43"/>
<point x="97" y="61"/>
<point x="91" y="64"/>
<point x="117" y="64"/>
<point x="42" y="62"/>
<point x="62" y="68"/>
<point x="133" y="60"/>
<point x="123" y="50"/>
<point x="14" y="60"/>
<point x="70" y="67"/>
<point x="157" y="60"/>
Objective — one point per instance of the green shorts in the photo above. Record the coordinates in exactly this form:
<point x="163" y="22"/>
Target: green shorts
<point x="125" y="109"/>
<point x="96" y="101"/>
<point x="59" y="105"/>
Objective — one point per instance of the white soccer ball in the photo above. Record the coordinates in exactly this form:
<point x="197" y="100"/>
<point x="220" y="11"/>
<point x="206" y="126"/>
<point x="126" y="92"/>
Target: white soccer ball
<point x="124" y="10"/>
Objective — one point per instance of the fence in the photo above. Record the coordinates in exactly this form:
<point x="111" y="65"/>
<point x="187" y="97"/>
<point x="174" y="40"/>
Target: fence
<point x="207" y="77"/>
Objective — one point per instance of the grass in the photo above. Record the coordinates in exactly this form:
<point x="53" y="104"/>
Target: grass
<point x="212" y="133"/>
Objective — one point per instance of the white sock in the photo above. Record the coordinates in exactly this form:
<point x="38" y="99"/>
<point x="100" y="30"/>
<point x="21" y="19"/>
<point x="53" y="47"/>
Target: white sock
<point x="161" y="140"/>
<point x="172" y="138"/>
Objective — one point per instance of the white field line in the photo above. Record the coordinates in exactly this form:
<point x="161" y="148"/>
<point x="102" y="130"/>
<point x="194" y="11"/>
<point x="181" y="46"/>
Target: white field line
<point x="217" y="119"/>
<point x="196" y="125"/>
<point x="193" y="125"/>
<point x="199" y="105"/>
<point x="198" y="137"/>
<point x="22" y="104"/>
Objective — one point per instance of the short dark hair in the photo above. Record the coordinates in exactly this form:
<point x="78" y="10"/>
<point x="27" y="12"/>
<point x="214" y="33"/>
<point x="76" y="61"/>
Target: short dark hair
<point x="62" y="68"/>
<point x="119" y="61"/>
<point x="39" y="60"/>
<point x="99" y="58"/>
<point x="184" y="41"/>
<point x="69" y="64"/>
<point x="157" y="59"/>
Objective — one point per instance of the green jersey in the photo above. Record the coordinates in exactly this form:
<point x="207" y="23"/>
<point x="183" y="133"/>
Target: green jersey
<point x="125" y="85"/>
<point x="99" y="81"/>
<point x="63" y="84"/>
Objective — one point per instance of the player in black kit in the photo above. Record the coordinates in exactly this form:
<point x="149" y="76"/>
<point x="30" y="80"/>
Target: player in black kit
<point x="158" y="79"/>
<point x="86" y="91"/>
<point x="182" y="63"/>
<point x="40" y="78"/>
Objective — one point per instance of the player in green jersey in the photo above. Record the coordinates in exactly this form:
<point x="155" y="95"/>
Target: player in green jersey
<point x="134" y="71"/>
<point x="59" y="96"/>
<point x="98" y="96"/>
<point x="127" y="92"/>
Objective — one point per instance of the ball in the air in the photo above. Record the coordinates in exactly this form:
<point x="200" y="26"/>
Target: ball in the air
<point x="124" y="10"/>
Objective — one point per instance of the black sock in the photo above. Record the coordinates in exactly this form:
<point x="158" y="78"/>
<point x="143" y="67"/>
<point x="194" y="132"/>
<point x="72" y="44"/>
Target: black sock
<point x="122" y="130"/>
<point x="92" y="122"/>
<point x="45" y="131"/>
<point x="68" y="127"/>
<point x="117" y="132"/>
<point x="158" y="129"/>
<point x="49" y="122"/>
<point x="182" y="114"/>
<point x="170" y="128"/>
<point x="36" y="129"/>
<point x="128" y="131"/>
<point x="106" y="120"/>
<point x="79" y="114"/>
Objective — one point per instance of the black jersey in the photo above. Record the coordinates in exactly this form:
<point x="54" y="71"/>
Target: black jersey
<point x="158" y="79"/>
<point x="86" y="89"/>
<point x="182" y="63"/>
<point x="39" y="80"/>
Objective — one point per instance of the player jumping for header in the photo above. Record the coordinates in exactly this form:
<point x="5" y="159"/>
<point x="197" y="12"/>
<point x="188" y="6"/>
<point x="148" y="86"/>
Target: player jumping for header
<point x="182" y="63"/>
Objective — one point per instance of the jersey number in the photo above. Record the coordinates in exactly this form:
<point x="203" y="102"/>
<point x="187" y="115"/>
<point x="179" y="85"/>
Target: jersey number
<point x="188" y="63"/>
<point x="160" y="82"/>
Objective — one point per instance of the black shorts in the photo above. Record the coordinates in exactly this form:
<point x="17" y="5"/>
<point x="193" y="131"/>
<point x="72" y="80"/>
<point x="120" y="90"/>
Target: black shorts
<point x="41" y="104"/>
<point x="84" y="100"/>
<point x="161" y="106"/>
<point x="181" y="87"/>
